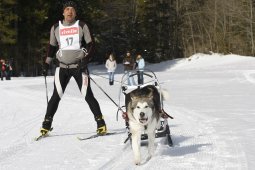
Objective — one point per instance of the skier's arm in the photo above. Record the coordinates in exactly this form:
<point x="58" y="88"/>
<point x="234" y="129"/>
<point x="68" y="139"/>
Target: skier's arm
<point x="90" y="45"/>
<point x="52" y="48"/>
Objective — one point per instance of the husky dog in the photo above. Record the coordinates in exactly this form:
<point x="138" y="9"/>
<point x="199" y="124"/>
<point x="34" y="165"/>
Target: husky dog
<point x="144" y="111"/>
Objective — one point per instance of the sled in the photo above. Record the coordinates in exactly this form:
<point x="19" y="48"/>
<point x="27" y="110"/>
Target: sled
<point x="150" y="78"/>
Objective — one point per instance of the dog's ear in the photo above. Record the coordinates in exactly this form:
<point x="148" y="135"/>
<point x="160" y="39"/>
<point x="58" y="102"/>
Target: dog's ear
<point x="150" y="95"/>
<point x="133" y="97"/>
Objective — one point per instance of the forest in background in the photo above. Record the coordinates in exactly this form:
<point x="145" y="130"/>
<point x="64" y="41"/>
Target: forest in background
<point x="159" y="29"/>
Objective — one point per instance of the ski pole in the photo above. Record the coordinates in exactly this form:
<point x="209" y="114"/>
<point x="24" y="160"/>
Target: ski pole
<point x="104" y="77"/>
<point x="106" y="94"/>
<point x="46" y="89"/>
<point x="119" y="108"/>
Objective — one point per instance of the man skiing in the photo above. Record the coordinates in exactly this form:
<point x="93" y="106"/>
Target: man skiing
<point x="70" y="37"/>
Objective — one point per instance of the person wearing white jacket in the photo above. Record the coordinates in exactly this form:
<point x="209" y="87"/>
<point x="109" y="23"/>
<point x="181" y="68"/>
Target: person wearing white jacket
<point x="111" y="66"/>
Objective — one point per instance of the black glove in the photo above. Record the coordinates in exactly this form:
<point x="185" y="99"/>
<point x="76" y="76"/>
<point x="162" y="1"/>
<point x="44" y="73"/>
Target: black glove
<point x="45" y="69"/>
<point x="82" y="65"/>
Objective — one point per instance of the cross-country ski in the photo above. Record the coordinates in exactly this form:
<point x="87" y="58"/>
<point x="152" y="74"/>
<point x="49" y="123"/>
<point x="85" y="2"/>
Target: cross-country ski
<point x="95" y="136"/>
<point x="43" y="135"/>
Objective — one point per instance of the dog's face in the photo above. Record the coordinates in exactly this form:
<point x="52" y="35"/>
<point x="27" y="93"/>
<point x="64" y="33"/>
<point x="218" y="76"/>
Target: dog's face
<point x="142" y="109"/>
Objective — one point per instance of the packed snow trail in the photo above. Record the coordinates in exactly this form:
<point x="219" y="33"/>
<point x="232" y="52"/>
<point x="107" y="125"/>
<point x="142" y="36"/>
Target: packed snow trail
<point x="211" y="99"/>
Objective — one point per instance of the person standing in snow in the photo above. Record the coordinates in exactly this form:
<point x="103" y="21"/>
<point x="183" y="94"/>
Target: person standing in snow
<point x="70" y="37"/>
<point x="140" y="64"/>
<point x="8" y="70"/>
<point x="128" y="63"/>
<point x="3" y="69"/>
<point x="111" y="66"/>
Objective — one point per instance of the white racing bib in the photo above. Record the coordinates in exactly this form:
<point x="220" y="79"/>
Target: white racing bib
<point x="69" y="36"/>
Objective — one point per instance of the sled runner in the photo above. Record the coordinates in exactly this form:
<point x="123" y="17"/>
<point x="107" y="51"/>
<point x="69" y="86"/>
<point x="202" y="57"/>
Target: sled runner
<point x="149" y="80"/>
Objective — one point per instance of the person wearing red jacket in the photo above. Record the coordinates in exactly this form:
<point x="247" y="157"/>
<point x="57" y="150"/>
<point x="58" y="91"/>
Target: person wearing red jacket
<point x="3" y="69"/>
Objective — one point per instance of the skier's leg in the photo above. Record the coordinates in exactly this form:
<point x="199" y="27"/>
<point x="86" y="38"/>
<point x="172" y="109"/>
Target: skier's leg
<point x="61" y="80"/>
<point x="83" y="82"/>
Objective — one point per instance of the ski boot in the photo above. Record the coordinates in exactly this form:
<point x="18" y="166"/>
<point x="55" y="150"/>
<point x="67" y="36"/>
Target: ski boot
<point x="101" y="126"/>
<point x="46" y="126"/>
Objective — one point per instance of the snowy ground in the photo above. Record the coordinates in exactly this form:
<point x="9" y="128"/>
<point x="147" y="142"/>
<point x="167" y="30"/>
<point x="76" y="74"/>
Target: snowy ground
<point x="211" y="98"/>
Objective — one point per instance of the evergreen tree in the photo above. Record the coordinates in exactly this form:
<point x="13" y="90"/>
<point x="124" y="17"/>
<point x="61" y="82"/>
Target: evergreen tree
<point x="8" y="23"/>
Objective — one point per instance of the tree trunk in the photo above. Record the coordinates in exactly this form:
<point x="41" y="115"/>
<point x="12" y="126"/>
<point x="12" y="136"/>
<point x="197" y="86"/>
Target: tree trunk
<point x="251" y="27"/>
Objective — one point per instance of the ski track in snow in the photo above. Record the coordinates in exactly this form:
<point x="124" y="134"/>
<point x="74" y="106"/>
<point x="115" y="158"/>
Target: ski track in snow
<point x="250" y="76"/>
<point x="193" y="137"/>
<point x="197" y="135"/>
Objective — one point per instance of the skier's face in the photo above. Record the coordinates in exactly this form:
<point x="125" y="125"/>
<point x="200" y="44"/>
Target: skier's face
<point x="69" y="14"/>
